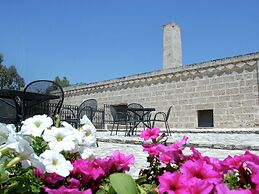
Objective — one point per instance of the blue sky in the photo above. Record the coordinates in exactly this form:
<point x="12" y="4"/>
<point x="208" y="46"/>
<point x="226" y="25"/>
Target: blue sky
<point x="95" y="40"/>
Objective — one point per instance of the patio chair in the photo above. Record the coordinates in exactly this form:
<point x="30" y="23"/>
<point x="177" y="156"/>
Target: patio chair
<point x="9" y="113"/>
<point x="88" y="108"/>
<point x="162" y="117"/>
<point x="50" y="102"/>
<point x="120" y="117"/>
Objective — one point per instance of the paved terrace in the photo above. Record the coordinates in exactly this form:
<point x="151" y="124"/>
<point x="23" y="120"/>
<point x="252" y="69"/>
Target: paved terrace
<point x="210" y="142"/>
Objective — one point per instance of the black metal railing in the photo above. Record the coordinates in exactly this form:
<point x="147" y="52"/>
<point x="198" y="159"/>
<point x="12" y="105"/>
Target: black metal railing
<point x="69" y="111"/>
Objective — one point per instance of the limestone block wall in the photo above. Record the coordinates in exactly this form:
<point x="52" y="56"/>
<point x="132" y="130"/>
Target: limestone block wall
<point x="227" y="86"/>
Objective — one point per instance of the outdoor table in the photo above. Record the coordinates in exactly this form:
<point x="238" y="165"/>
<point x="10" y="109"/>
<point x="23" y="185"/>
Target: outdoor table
<point x="8" y="93"/>
<point x="21" y="97"/>
<point x="140" y="118"/>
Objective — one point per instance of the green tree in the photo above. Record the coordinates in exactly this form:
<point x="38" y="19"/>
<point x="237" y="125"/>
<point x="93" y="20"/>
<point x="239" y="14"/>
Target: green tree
<point x="9" y="77"/>
<point x="62" y="82"/>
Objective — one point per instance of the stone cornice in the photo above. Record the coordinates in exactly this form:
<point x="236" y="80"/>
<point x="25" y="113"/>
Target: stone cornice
<point x="209" y="68"/>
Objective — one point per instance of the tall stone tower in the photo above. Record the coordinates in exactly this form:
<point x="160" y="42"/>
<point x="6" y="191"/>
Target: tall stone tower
<point x="172" y="46"/>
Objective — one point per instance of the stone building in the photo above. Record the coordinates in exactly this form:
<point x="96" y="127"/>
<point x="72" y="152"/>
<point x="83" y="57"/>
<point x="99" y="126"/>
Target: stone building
<point x="220" y="93"/>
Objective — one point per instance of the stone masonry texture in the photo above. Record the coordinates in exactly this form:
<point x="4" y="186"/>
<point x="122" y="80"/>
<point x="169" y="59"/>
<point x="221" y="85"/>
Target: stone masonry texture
<point x="227" y="86"/>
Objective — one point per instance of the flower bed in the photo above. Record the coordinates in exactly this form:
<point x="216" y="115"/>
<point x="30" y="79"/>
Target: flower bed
<point x="47" y="157"/>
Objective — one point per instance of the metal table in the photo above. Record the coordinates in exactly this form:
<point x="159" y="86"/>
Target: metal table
<point x="140" y="118"/>
<point x="21" y="97"/>
<point x="8" y="93"/>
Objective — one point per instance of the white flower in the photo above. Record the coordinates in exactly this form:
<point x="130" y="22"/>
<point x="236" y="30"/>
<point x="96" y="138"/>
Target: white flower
<point x="36" y="125"/>
<point x="89" y="135"/>
<point x="25" y="152"/>
<point x="86" y="153"/>
<point x="33" y="160"/>
<point x="22" y="147"/>
<point x="5" y="132"/>
<point x="87" y="122"/>
<point x="59" y="139"/>
<point x="67" y="126"/>
<point x="56" y="162"/>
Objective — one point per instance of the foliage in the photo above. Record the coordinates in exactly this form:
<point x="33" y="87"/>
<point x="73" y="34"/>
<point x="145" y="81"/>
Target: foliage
<point x="65" y="164"/>
<point x="123" y="183"/>
<point x="9" y="77"/>
<point x="172" y="171"/>
<point x="62" y="82"/>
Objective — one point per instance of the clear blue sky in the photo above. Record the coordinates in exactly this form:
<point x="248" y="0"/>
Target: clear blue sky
<point x="94" y="40"/>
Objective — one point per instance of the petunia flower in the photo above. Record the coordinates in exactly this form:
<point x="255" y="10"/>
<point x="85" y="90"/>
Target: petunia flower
<point x="86" y="153"/>
<point x="53" y="178"/>
<point x="36" y="125"/>
<point x="198" y="186"/>
<point x="199" y="169"/>
<point x="59" y="139"/>
<point x="25" y="153"/>
<point x="120" y="161"/>
<point x="66" y="190"/>
<point x="252" y="161"/>
<point x="234" y="162"/>
<point x="255" y="179"/>
<point x="7" y="132"/>
<point x="86" y="170"/>
<point x="223" y="189"/>
<point x="150" y="134"/>
<point x="172" y="153"/>
<point x="56" y="162"/>
<point x="151" y="149"/>
<point x="173" y="183"/>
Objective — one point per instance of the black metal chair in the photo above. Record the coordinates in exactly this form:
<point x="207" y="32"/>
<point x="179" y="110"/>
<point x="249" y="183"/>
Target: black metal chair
<point x="10" y="112"/>
<point x="88" y="108"/>
<point x="162" y="117"/>
<point x="120" y="117"/>
<point x="50" y="102"/>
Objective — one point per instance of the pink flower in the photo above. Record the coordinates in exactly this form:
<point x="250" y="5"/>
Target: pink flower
<point x="200" y="170"/>
<point x="74" y="183"/>
<point x="150" y="134"/>
<point x="255" y="179"/>
<point x="172" y="183"/>
<point x="171" y="156"/>
<point x="195" y="154"/>
<point x="223" y="189"/>
<point x="38" y="172"/>
<point x="53" y="178"/>
<point x="198" y="186"/>
<point x="252" y="161"/>
<point x="234" y="162"/>
<point x="86" y="170"/>
<point x="65" y="190"/>
<point x="172" y="153"/>
<point x="151" y="149"/>
<point x="120" y="161"/>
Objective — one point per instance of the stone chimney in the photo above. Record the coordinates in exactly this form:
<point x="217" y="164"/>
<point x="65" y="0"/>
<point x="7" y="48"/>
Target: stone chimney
<point x="172" y="46"/>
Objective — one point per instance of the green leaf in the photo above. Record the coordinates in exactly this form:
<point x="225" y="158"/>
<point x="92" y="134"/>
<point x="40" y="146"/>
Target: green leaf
<point x="100" y="191"/>
<point x="123" y="183"/>
<point x="4" y="177"/>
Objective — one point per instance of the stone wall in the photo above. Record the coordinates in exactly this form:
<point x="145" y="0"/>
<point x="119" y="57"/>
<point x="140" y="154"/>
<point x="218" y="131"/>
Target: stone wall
<point x="227" y="86"/>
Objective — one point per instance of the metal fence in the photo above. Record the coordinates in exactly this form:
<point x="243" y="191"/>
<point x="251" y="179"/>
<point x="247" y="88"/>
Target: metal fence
<point x="101" y="117"/>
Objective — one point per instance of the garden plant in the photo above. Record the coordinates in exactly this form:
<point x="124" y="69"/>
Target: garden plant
<point x="53" y="157"/>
